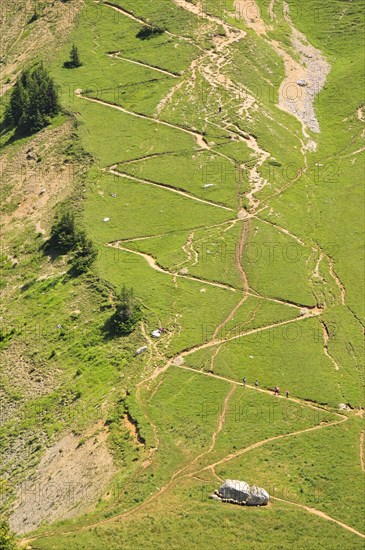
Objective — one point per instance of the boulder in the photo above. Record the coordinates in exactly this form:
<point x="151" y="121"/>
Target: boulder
<point x="232" y="489"/>
<point x="240" y="492"/>
<point x="258" y="497"/>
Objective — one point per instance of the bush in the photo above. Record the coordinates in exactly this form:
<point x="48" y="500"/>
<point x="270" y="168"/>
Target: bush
<point x="127" y="314"/>
<point x="66" y="237"/>
<point x="7" y="538"/>
<point x="34" y="100"/>
<point x="84" y="253"/>
<point x="63" y="233"/>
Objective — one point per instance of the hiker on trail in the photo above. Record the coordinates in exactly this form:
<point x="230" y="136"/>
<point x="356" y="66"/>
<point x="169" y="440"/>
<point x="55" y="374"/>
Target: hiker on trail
<point x="287" y="394"/>
<point x="244" y="381"/>
<point x="276" y="390"/>
<point x="256" y="383"/>
<point x="219" y="109"/>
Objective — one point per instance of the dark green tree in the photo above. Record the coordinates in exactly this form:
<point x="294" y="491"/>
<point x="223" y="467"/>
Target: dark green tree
<point x="34" y="100"/>
<point x="128" y="313"/>
<point x="66" y="237"/>
<point x="17" y="102"/>
<point x="63" y="232"/>
<point x="74" y="61"/>
<point x="7" y="538"/>
<point x="84" y="254"/>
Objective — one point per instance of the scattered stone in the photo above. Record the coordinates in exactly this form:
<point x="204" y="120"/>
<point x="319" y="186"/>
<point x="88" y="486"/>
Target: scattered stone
<point x="302" y="83"/>
<point x="156" y="333"/>
<point x="208" y="185"/>
<point x="141" y="350"/>
<point x="184" y="271"/>
<point x="240" y="492"/>
<point x="106" y="219"/>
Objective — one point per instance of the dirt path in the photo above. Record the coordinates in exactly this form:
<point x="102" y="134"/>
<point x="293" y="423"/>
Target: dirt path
<point x="152" y="262"/>
<point x="211" y="63"/>
<point x="322" y="515"/>
<point x="143" y="22"/>
<point x="362" y="452"/>
<point x="199" y="138"/>
<point x="271" y="10"/>
<point x="177" y="477"/>
<point x="216" y="342"/>
<point x="326" y="337"/>
<point x="167" y="187"/>
<point x="116" y="55"/>
<point x="258" y="444"/>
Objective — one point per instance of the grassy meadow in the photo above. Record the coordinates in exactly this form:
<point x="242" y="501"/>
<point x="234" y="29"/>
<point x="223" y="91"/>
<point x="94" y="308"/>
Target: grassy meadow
<point x="198" y="193"/>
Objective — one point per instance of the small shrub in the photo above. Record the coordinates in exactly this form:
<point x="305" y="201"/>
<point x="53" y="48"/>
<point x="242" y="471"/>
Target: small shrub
<point x="66" y="237"/>
<point x="7" y="538"/>
<point x="127" y="314"/>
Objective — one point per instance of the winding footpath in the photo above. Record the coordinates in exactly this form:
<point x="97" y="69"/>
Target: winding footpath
<point x="210" y="64"/>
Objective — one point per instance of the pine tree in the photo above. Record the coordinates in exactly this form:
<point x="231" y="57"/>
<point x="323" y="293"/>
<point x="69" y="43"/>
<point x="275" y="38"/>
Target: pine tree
<point x="34" y="100"/>
<point x="17" y="102"/>
<point x="63" y="232"/>
<point x="74" y="59"/>
<point x="127" y="314"/>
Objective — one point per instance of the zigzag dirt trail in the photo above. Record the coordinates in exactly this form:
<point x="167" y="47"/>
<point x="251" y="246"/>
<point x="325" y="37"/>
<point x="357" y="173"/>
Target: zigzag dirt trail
<point x="212" y="71"/>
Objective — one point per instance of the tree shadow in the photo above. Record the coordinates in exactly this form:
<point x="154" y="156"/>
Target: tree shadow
<point x="6" y="128"/>
<point x="146" y="33"/>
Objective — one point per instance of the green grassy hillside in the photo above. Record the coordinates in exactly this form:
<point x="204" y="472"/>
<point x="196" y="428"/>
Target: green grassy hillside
<point x="230" y="198"/>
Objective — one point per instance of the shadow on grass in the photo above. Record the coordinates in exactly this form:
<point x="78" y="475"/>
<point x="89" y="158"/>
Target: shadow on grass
<point x="146" y="33"/>
<point x="15" y="133"/>
<point x="108" y="330"/>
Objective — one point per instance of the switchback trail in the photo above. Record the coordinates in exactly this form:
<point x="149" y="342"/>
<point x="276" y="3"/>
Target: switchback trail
<point x="199" y="138"/>
<point x="211" y="72"/>
<point x="177" y="477"/>
<point x="166" y="187"/>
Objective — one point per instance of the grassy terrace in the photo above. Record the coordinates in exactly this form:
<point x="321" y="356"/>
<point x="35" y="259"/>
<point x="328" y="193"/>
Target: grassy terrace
<point x="240" y="239"/>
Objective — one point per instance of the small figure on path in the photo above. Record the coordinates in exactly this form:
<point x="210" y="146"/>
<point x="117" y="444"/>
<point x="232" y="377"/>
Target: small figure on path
<point x="256" y="383"/>
<point x="219" y="109"/>
<point x="276" y="390"/>
<point x="244" y="380"/>
<point x="287" y="394"/>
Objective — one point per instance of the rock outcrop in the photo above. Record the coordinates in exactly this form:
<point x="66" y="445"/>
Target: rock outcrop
<point x="240" y="492"/>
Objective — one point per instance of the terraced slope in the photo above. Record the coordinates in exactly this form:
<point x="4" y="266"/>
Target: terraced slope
<point x="229" y="196"/>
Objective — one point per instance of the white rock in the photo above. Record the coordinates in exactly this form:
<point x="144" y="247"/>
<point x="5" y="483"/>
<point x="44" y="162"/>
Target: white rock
<point x="240" y="492"/>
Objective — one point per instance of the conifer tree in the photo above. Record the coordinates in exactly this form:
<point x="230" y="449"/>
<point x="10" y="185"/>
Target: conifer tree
<point x="74" y="61"/>
<point x="127" y="314"/>
<point x="34" y="100"/>
<point x="75" y="58"/>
